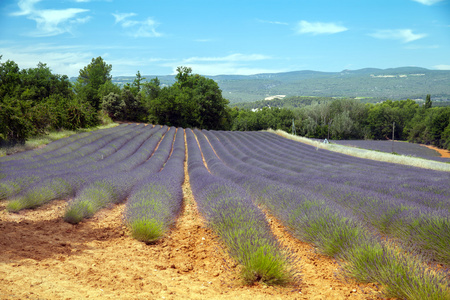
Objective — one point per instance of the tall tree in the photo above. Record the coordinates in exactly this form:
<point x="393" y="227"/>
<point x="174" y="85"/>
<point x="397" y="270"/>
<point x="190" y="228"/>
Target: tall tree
<point x="192" y="101"/>
<point x="428" y="102"/>
<point x="90" y="79"/>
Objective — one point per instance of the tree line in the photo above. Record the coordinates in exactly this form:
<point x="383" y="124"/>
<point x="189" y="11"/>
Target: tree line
<point x="34" y="101"/>
<point x="352" y="119"/>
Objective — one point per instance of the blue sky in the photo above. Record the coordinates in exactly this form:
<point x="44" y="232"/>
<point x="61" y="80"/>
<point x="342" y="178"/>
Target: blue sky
<point x="226" y="37"/>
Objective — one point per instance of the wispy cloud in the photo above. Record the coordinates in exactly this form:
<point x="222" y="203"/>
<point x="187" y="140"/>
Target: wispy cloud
<point x="145" y="28"/>
<point x="419" y="47"/>
<point x="442" y="67"/>
<point x="403" y="35"/>
<point x="50" y="22"/>
<point x="272" y="22"/>
<point x="428" y="2"/>
<point x="315" y="28"/>
<point x="65" y="60"/>
<point x="122" y="16"/>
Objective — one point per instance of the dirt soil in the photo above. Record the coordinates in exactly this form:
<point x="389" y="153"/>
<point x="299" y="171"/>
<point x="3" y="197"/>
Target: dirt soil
<point x="42" y="257"/>
<point x="442" y="152"/>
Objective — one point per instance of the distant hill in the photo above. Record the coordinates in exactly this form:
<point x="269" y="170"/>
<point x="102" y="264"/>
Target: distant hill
<point x="394" y="83"/>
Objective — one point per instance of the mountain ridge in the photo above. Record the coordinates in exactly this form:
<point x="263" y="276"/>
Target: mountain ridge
<point x="391" y="83"/>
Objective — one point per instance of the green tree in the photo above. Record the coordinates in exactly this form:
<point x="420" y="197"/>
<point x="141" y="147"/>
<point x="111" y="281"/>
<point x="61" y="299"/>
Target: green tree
<point x="90" y="79"/>
<point x="107" y="88"/>
<point x="9" y="79"/>
<point x="15" y="124"/>
<point x="428" y="102"/>
<point x="192" y="101"/>
<point x="134" y="109"/>
<point x="114" y="106"/>
<point x="445" y="137"/>
<point x="39" y="83"/>
<point x="150" y="90"/>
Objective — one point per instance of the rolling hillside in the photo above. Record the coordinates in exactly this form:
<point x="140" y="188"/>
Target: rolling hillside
<point x="395" y="83"/>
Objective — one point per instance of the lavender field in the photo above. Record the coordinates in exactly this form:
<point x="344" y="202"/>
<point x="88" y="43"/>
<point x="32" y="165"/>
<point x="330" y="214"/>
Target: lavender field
<point x="385" y="223"/>
<point x="402" y="148"/>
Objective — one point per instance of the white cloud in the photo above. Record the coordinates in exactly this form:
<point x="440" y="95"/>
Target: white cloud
<point x="403" y="35"/>
<point x="26" y="7"/>
<point x="54" y="22"/>
<point x="146" y="28"/>
<point x="442" y="67"/>
<point x="64" y="60"/>
<point x="273" y="22"/>
<point x="50" y="22"/>
<point x="305" y="27"/>
<point x="428" y="2"/>
<point x="122" y="16"/>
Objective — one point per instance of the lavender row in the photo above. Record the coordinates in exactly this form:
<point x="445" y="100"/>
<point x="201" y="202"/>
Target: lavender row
<point x="403" y="148"/>
<point x="118" y="148"/>
<point x="433" y="191"/>
<point x="68" y="145"/>
<point x="104" y="157"/>
<point x="115" y="185"/>
<point x="384" y="212"/>
<point x="63" y="186"/>
<point x="365" y="166"/>
<point x="242" y="226"/>
<point x="72" y="152"/>
<point x="31" y="154"/>
<point x="283" y="200"/>
<point x="333" y="230"/>
<point x="156" y="201"/>
<point x="17" y="181"/>
<point x="57" y="147"/>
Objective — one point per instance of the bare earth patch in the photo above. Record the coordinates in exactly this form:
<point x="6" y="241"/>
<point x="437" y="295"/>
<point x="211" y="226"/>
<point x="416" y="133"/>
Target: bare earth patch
<point x="42" y="257"/>
<point x="442" y="152"/>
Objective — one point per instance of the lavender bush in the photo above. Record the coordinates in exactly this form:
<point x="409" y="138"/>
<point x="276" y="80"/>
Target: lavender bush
<point x="113" y="185"/>
<point x="316" y="218"/>
<point x="229" y="210"/>
<point x="76" y="149"/>
<point x="17" y="181"/>
<point x="156" y="201"/>
<point x="57" y="147"/>
<point x="43" y="191"/>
